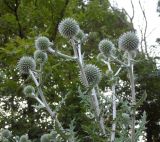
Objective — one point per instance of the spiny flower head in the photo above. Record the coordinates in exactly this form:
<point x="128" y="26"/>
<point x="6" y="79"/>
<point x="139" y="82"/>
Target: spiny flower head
<point x="80" y="35"/>
<point x="40" y="56"/>
<point x="125" y="116"/>
<point x="93" y="75"/>
<point x="68" y="28"/>
<point x="106" y="47"/>
<point x="24" y="138"/>
<point x="25" y="64"/>
<point x="46" y="138"/>
<point x="28" y="90"/>
<point x="6" y="133"/>
<point x="42" y="43"/>
<point x="128" y="41"/>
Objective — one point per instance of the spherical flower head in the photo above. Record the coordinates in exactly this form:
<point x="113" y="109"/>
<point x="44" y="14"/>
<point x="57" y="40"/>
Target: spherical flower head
<point x="6" y="133"/>
<point x="68" y="28"/>
<point x="106" y="47"/>
<point x="80" y="36"/>
<point x="24" y="138"/>
<point x="25" y="64"/>
<point x="5" y="140"/>
<point x="40" y="56"/>
<point x="93" y="75"/>
<point x="42" y="43"/>
<point x="28" y="90"/>
<point x="128" y="41"/>
<point x="46" y="138"/>
<point x="125" y="116"/>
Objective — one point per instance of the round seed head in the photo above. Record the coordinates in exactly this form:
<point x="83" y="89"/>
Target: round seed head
<point x="46" y="138"/>
<point x="106" y="47"/>
<point x="128" y="41"/>
<point x="5" y="140"/>
<point x="24" y="138"/>
<point x="28" y="90"/>
<point x="42" y="43"/>
<point x="68" y="28"/>
<point x="25" y="64"/>
<point x="80" y="35"/>
<point x="6" y="133"/>
<point x="40" y="56"/>
<point x="125" y="116"/>
<point x="93" y="75"/>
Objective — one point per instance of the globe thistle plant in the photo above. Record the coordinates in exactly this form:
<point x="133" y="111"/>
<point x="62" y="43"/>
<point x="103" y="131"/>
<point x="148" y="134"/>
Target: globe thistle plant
<point x="5" y="140"/>
<point x="6" y="133"/>
<point x="25" y="64"/>
<point x="46" y="138"/>
<point x="80" y="35"/>
<point x="106" y="47"/>
<point x="125" y="116"/>
<point x="68" y="28"/>
<point x="28" y="90"/>
<point x="40" y="56"/>
<point x="93" y="75"/>
<point x="42" y="43"/>
<point x="128" y="41"/>
<point x="24" y="138"/>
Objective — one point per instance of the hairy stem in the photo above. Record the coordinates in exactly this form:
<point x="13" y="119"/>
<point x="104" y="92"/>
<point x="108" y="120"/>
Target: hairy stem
<point x="114" y="110"/>
<point x="95" y="103"/>
<point x="131" y="77"/>
<point x="40" y="101"/>
<point x="43" y="101"/>
<point x="55" y="52"/>
<point x="114" y="114"/>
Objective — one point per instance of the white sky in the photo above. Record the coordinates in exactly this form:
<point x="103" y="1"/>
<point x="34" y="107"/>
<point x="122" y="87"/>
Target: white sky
<point x="150" y="7"/>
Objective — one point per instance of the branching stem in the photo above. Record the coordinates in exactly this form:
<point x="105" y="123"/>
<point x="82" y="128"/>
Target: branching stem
<point x="131" y="77"/>
<point x="55" y="52"/>
<point x="95" y="103"/>
<point x="114" y="110"/>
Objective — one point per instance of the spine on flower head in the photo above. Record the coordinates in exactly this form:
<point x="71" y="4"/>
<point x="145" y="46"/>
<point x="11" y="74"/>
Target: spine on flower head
<point x="29" y="90"/>
<point x="93" y="75"/>
<point x="40" y="56"/>
<point x="25" y="64"/>
<point x="42" y="43"/>
<point x="128" y="41"/>
<point x="68" y="28"/>
<point x="106" y="47"/>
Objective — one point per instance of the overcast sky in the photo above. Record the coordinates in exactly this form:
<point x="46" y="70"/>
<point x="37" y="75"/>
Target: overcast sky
<point x="150" y="7"/>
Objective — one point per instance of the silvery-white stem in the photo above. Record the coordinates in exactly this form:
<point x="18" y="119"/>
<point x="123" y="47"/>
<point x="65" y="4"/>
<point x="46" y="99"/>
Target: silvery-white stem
<point x="79" y="61"/>
<point x="118" y="61"/>
<point x="55" y="52"/>
<point x="118" y="71"/>
<point x="131" y="77"/>
<point x="114" y="111"/>
<point x="97" y="111"/>
<point x="40" y="101"/>
<point x="34" y="78"/>
<point x="45" y="103"/>
<point x="41" y="95"/>
<point x="79" y="53"/>
<point x="95" y="103"/>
